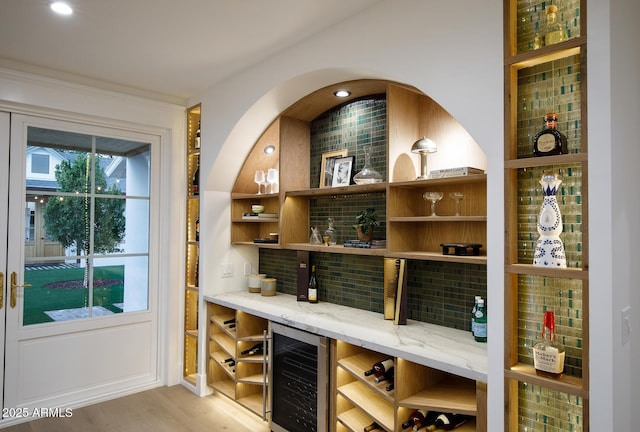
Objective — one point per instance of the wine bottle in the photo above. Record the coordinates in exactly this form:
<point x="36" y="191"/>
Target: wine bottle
<point x="227" y="360"/>
<point x="195" y="182"/>
<point x="197" y="140"/>
<point x="256" y="349"/>
<point x="387" y="376"/>
<point x="373" y="427"/>
<point x="550" y="141"/>
<point x="312" y="291"/>
<point x="231" y="363"/>
<point x="480" y="334"/>
<point x="391" y="378"/>
<point x="379" y="368"/>
<point x="446" y="421"/>
<point x="229" y="321"/>
<point x="548" y="354"/>
<point x="420" y="418"/>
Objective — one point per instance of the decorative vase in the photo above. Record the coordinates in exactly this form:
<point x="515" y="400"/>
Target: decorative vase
<point x="549" y="248"/>
<point x="367" y="175"/>
<point x="362" y="236"/>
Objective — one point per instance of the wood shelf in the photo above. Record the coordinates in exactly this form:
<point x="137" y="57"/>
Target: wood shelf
<point x="565" y="383"/>
<point x="342" y="190"/>
<point x="546" y="54"/>
<point x="355" y="419"/>
<point x="380" y="409"/>
<point x="530" y="162"/>
<point x="531" y="270"/>
<point x="336" y="249"/>
<point x="452" y="395"/>
<point x="438" y="256"/>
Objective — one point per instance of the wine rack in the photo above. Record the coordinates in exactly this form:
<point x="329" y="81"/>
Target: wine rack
<point x="549" y="79"/>
<point x="243" y="378"/>
<point x="192" y="247"/>
<point x="361" y="401"/>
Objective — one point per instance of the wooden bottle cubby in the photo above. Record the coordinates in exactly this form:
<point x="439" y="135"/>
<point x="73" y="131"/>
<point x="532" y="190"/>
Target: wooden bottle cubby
<point x="244" y="382"/>
<point x="360" y="400"/>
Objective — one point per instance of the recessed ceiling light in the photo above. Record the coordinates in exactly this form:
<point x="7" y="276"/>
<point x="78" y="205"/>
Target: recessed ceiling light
<point x="61" y="8"/>
<point x="269" y="149"/>
<point x="342" y="93"/>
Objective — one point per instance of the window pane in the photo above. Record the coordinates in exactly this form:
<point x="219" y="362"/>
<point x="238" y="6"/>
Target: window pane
<point x="86" y="227"/>
<point x="40" y="164"/>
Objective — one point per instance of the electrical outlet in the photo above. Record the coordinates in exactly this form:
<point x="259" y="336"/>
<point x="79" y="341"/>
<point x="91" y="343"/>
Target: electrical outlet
<point x="226" y="270"/>
<point x="626" y="325"/>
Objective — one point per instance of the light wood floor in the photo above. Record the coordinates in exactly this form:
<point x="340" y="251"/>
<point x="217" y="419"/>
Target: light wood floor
<point x="171" y="409"/>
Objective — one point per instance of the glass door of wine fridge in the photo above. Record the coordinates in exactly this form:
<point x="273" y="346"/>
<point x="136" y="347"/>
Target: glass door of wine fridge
<point x="299" y="378"/>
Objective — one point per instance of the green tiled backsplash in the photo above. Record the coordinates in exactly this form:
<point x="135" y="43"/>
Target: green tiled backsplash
<point x="531" y="16"/>
<point x="351" y="126"/>
<point x="530" y="198"/>
<point x="438" y="292"/>
<point x="542" y="409"/>
<point x="550" y="87"/>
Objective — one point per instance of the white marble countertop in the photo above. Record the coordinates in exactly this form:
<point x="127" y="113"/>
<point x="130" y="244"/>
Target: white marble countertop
<point x="439" y="347"/>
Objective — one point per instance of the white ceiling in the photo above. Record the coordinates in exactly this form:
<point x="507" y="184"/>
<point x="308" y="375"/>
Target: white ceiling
<point x="164" y="49"/>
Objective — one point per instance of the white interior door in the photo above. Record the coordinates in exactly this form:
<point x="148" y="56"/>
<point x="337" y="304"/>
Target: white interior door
<point x="81" y="316"/>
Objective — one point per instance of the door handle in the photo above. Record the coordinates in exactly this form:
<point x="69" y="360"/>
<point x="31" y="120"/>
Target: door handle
<point x="1" y="290"/>
<point x="14" y="289"/>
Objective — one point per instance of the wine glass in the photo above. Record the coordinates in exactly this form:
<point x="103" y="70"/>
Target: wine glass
<point x="272" y="177"/>
<point x="457" y="197"/>
<point x="434" y="197"/>
<point x="259" y="178"/>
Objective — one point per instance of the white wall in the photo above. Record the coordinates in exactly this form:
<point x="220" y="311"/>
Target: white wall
<point x="454" y="57"/>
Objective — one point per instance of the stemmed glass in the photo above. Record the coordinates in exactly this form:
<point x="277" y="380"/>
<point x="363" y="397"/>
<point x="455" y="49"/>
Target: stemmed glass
<point x="434" y="197"/>
<point x="260" y="179"/>
<point x="272" y="178"/>
<point x="457" y="197"/>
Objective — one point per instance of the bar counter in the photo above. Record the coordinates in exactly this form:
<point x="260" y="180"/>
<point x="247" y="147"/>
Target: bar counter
<point x="442" y="348"/>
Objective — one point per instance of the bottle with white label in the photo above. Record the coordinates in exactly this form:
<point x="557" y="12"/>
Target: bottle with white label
<point x="548" y="354"/>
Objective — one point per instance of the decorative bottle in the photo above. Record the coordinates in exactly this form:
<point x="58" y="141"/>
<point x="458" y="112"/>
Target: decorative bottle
<point x="379" y="368"/>
<point x="312" y="293"/>
<point x="549" y="248"/>
<point x="367" y="175"/>
<point x="550" y="141"/>
<point x="480" y="333"/>
<point x="554" y="31"/>
<point x="330" y="234"/>
<point x="548" y="354"/>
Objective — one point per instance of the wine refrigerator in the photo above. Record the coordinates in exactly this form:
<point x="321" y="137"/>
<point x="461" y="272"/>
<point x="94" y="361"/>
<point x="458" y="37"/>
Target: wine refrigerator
<point x="299" y="380"/>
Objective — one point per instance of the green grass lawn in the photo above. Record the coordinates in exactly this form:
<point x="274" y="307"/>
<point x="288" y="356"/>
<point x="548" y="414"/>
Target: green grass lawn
<point x="40" y="297"/>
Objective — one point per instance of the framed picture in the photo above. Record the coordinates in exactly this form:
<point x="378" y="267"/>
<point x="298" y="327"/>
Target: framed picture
<point x="342" y="171"/>
<point x="328" y="163"/>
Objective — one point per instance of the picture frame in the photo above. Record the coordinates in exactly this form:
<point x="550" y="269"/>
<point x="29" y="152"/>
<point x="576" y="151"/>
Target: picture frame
<point x="328" y="163"/>
<point x="343" y="171"/>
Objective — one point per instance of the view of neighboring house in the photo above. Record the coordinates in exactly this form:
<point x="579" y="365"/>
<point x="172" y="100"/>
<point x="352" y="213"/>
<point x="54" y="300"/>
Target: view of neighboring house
<point x="41" y="184"/>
